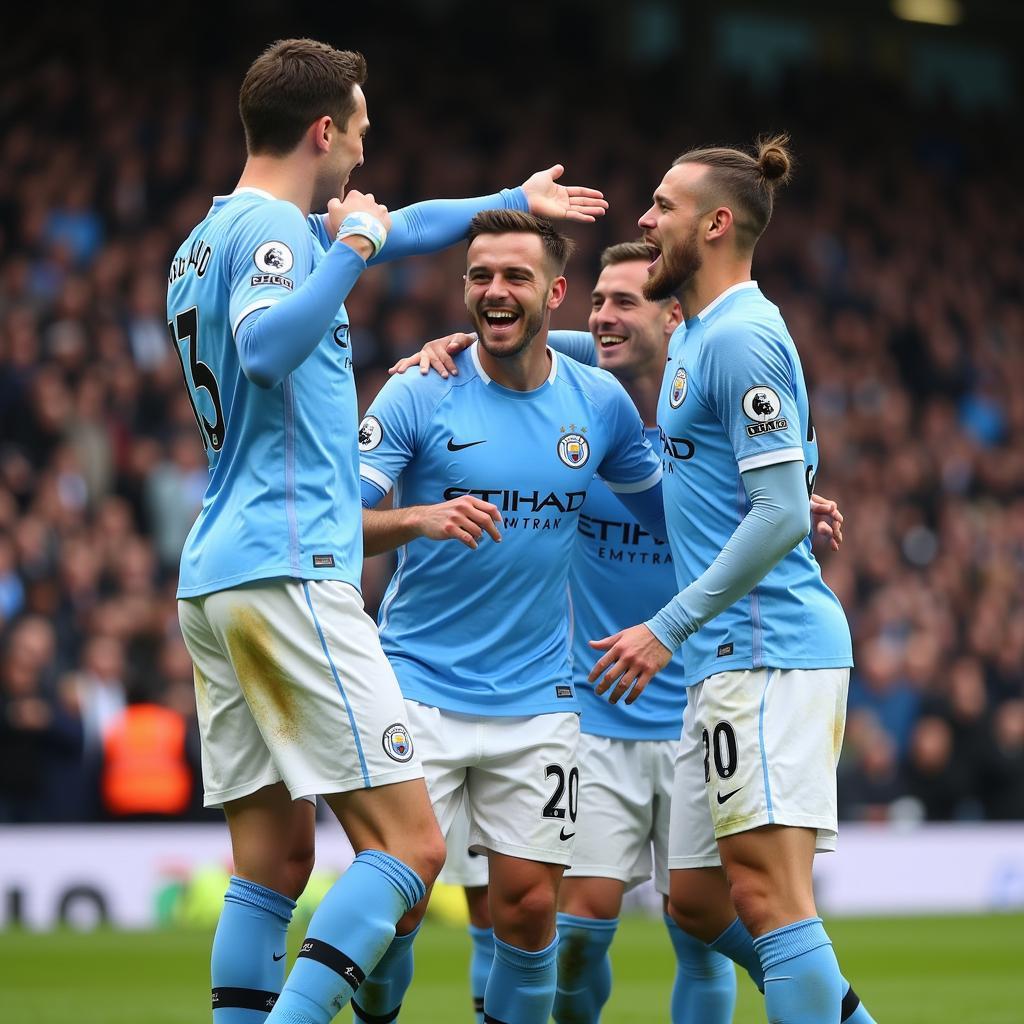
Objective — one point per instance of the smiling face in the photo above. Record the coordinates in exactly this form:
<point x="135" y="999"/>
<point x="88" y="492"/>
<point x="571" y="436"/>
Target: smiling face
<point x="630" y="332"/>
<point x="671" y="229"/>
<point x="510" y="290"/>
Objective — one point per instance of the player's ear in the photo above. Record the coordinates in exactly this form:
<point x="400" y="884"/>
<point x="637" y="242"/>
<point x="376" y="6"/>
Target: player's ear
<point x="720" y="222"/>
<point x="321" y="132"/>
<point x="675" y="317"/>
<point x="557" y="292"/>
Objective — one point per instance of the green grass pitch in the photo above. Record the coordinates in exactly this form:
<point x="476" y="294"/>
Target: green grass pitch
<point x="940" y="970"/>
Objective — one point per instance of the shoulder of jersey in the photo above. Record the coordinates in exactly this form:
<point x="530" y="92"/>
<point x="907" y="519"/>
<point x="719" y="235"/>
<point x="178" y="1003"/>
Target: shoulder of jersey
<point x="279" y="211"/>
<point x="750" y="319"/>
<point x="599" y="384"/>
<point x="432" y="384"/>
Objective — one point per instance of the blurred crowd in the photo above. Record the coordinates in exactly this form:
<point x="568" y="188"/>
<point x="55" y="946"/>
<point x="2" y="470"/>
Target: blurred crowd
<point x="895" y="257"/>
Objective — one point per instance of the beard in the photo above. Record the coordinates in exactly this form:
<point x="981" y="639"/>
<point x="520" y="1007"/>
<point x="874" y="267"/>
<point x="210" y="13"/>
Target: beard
<point x="675" y="269"/>
<point x="530" y="323"/>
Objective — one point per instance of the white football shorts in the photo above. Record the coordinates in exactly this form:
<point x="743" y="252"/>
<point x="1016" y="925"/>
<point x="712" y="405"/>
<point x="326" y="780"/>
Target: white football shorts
<point x="625" y="800"/>
<point x="462" y="866"/>
<point x="292" y="686"/>
<point x="518" y="778"/>
<point x="759" y="747"/>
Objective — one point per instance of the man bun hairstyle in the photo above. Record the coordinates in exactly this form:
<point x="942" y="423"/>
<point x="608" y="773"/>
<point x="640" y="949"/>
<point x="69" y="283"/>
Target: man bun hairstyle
<point x="745" y="183"/>
<point x="291" y="84"/>
<point x="557" y="247"/>
<point x="773" y="159"/>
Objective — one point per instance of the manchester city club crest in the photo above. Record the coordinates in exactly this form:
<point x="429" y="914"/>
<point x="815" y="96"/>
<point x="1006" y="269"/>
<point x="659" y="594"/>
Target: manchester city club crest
<point x="573" y="450"/>
<point x="398" y="742"/>
<point x="678" y="392"/>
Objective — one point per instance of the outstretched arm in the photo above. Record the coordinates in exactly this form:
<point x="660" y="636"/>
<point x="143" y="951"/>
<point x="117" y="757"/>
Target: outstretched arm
<point x="438" y="223"/>
<point x="778" y="519"/>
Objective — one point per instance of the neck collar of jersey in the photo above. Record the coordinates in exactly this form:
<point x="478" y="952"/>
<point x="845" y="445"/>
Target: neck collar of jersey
<point x="486" y="378"/>
<point x="245" y="188"/>
<point x="715" y="303"/>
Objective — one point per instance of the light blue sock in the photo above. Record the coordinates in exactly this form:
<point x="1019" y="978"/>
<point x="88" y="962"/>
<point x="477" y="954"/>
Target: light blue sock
<point x="705" y="987"/>
<point x="349" y="932"/>
<point x="802" y="983"/>
<point x="248" y="961"/>
<point x="738" y="945"/>
<point x="380" y="996"/>
<point x="584" y="968"/>
<point x="521" y="987"/>
<point x="480" y="966"/>
<point x="854" y="1011"/>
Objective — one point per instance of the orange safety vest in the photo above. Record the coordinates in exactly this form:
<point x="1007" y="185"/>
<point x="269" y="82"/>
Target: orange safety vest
<point x="145" y="770"/>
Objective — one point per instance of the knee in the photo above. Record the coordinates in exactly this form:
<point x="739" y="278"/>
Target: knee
<point x="751" y="896"/>
<point x="526" y="917"/>
<point x="296" y="871"/>
<point x="698" y="916"/>
<point x="429" y="856"/>
<point x="690" y="917"/>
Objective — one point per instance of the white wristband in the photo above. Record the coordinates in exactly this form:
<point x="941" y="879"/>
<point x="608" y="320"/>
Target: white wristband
<point x="366" y="226"/>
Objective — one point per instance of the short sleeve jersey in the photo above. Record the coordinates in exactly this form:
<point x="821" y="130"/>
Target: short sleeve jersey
<point x="283" y="494"/>
<point x="733" y="399"/>
<point x="485" y="632"/>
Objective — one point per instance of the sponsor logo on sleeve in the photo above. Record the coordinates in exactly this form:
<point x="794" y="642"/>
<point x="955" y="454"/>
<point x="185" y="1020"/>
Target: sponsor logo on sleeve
<point x="398" y="743"/>
<point x="284" y="282"/>
<point x="371" y="433"/>
<point x="762" y="405"/>
<point x="274" y="258"/>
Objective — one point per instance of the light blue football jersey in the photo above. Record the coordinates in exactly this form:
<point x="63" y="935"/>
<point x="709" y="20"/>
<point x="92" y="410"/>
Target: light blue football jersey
<point x="621" y="575"/>
<point x="283" y="495"/>
<point x="733" y="399"/>
<point x="485" y="632"/>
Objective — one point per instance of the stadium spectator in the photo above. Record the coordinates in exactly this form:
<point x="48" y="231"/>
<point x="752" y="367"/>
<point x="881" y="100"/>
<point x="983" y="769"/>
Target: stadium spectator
<point x="899" y="275"/>
<point x="933" y="776"/>
<point x="40" y="734"/>
<point x="146" y="770"/>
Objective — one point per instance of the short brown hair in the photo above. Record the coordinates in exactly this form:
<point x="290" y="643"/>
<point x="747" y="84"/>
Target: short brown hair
<point x="291" y="84"/>
<point x="557" y="247"/>
<point x="625" y="252"/>
<point x="746" y="181"/>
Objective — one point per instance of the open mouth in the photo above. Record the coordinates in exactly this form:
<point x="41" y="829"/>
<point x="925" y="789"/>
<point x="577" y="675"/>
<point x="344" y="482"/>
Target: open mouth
<point x="501" y="320"/>
<point x="610" y="341"/>
<point x="653" y="252"/>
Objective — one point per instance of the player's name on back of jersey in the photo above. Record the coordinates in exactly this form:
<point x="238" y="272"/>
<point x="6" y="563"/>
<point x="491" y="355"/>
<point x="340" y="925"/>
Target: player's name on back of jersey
<point x="198" y="259"/>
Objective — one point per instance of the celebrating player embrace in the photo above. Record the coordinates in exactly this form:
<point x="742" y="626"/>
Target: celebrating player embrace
<point x="294" y="694"/>
<point x="499" y="458"/>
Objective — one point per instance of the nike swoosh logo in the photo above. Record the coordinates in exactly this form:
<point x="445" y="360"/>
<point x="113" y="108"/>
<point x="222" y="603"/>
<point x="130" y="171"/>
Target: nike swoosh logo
<point x="453" y="447"/>
<point x="278" y="957"/>
<point x="563" y="836"/>
<point x="722" y="798"/>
